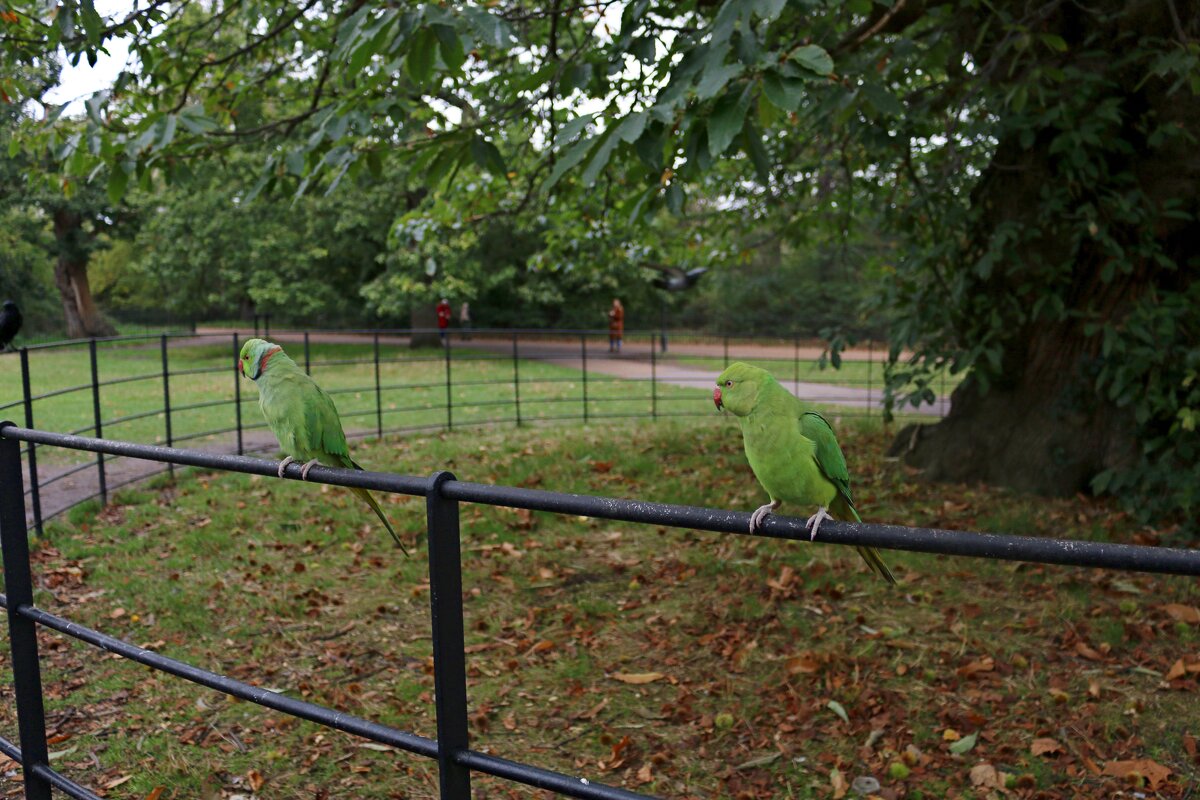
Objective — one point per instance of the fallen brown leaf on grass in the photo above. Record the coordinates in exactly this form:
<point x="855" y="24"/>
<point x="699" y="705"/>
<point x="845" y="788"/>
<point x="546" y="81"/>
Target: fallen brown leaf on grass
<point x="1182" y="613"/>
<point x="1045" y="747"/>
<point x="1152" y="771"/>
<point x="986" y="776"/>
<point x="985" y="664"/>
<point x="838" y="781"/>
<point x="806" y="663"/>
<point x="637" y="677"/>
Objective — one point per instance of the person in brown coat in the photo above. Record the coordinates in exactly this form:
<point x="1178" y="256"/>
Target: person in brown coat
<point x="616" y="326"/>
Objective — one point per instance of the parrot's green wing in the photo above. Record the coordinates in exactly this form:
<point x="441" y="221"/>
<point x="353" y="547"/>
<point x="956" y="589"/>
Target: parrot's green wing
<point x="832" y="464"/>
<point x="829" y="454"/>
<point x="325" y="426"/>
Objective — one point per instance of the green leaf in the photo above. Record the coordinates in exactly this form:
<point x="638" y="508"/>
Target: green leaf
<point x="118" y="179"/>
<point x="714" y="79"/>
<point x="675" y="198"/>
<point x="813" y="58"/>
<point x="422" y="55"/>
<point x="769" y="9"/>
<point x="194" y="119"/>
<point x="487" y="156"/>
<point x="726" y="121"/>
<point x="453" y="54"/>
<point x="577" y="77"/>
<point x="649" y="147"/>
<point x="784" y="93"/>
<point x="1054" y="42"/>
<point x="166" y="133"/>
<point x="489" y="28"/>
<point x="573" y="155"/>
<point x="609" y="142"/>
<point x="568" y="131"/>
<point x="752" y="143"/>
<point x="964" y="745"/>
<point x="837" y="708"/>
<point x="632" y="126"/>
<point x="884" y="101"/>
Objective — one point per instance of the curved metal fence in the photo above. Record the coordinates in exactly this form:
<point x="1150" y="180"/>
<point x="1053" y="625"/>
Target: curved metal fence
<point x="176" y="388"/>
<point x="443" y="494"/>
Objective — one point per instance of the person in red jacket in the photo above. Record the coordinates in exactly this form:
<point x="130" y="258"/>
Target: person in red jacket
<point x="443" y="315"/>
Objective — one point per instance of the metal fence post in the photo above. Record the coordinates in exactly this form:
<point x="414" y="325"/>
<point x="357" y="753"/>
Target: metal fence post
<point x="96" y="418"/>
<point x="516" y="380"/>
<point x="583" y="355"/>
<point x="34" y="490"/>
<point x="237" y="392"/>
<point x="727" y="349"/>
<point x="449" y="394"/>
<point x="378" y="389"/>
<point x="307" y="363"/>
<point x="166" y="380"/>
<point x="449" y="657"/>
<point x="22" y="632"/>
<point x="796" y="366"/>
<point x="870" y="365"/>
<point x="653" y="381"/>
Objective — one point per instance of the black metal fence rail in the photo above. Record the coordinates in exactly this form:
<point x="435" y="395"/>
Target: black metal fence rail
<point x="442" y="493"/>
<point x="590" y="402"/>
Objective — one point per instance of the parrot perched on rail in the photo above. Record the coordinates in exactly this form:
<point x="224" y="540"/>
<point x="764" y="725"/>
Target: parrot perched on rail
<point x="301" y="415"/>
<point x="794" y="453"/>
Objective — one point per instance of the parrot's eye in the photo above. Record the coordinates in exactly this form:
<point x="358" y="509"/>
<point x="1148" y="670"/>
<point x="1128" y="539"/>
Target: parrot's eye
<point x="728" y="384"/>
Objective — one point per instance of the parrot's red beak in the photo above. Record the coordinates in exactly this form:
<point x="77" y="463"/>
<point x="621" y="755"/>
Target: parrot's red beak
<point x="237" y="366"/>
<point x="717" y="398"/>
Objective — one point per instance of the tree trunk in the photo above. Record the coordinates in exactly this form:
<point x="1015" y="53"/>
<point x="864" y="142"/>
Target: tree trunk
<point x="82" y="317"/>
<point x="423" y="315"/>
<point x="1041" y="424"/>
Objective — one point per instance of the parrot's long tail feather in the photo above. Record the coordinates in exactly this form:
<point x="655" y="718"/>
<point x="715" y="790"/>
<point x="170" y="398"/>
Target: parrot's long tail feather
<point x="365" y="495"/>
<point x="871" y="556"/>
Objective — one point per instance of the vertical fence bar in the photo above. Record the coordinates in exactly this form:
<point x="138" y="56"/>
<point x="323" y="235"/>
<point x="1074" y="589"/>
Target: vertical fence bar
<point x="942" y="394"/>
<point x="726" y="350"/>
<point x="449" y="658"/>
<point x="307" y="362"/>
<point x="449" y="394"/>
<point x="96" y="420"/>
<point x="653" y="381"/>
<point x="516" y="379"/>
<point x="34" y="490"/>
<point x="870" y="368"/>
<point x="266" y="326"/>
<point x="255" y="324"/>
<point x="796" y="365"/>
<point x="166" y="380"/>
<point x="583" y="356"/>
<point x="237" y="392"/>
<point x="22" y="633"/>
<point x="378" y="389"/>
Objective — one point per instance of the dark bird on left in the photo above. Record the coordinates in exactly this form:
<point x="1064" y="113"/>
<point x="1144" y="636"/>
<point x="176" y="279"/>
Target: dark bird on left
<point x="10" y="323"/>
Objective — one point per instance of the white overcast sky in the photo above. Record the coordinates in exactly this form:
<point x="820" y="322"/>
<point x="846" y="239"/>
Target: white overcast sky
<point x="80" y="82"/>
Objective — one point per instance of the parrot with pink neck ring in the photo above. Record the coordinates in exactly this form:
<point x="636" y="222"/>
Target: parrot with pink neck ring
<point x="301" y="415"/>
<point x="794" y="453"/>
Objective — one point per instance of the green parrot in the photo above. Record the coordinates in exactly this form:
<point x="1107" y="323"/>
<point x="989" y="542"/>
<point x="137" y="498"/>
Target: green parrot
<point x="301" y="415"/>
<point x="794" y="453"/>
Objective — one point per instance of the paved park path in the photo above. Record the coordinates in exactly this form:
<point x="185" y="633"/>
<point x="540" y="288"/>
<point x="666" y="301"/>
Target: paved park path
<point x="635" y="362"/>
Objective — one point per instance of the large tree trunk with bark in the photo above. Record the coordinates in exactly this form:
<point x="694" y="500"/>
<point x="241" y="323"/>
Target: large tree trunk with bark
<point x="422" y="319"/>
<point x="1041" y="424"/>
<point x="82" y="318"/>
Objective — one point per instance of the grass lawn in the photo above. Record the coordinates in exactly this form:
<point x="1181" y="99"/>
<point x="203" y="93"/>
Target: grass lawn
<point x="764" y="669"/>
<point x="413" y="390"/>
